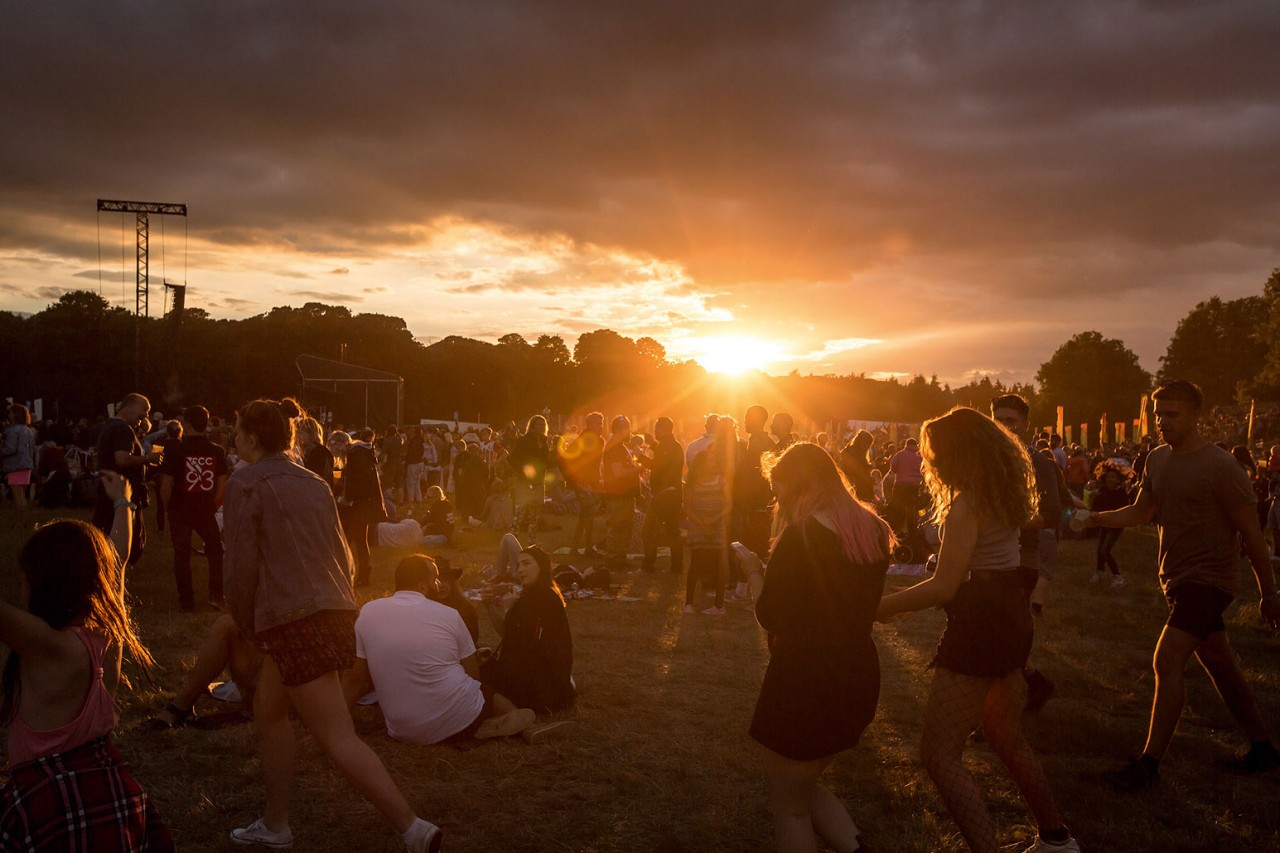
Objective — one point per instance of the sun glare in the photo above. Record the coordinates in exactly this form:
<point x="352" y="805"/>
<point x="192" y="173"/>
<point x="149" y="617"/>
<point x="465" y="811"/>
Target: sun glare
<point x="733" y="355"/>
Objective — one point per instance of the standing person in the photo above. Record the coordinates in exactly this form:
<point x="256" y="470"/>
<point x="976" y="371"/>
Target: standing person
<point x="780" y="428"/>
<point x="818" y="602"/>
<point x="983" y="488"/>
<point x="362" y="502"/>
<point x="751" y="492"/>
<point x="413" y="455"/>
<point x="530" y="457"/>
<point x="666" y="474"/>
<point x="907" y="481"/>
<point x="19" y="454"/>
<point x="707" y="513"/>
<point x="315" y="457"/>
<point x="119" y="450"/>
<point x="620" y="484"/>
<point x="69" y="789"/>
<point x="193" y="479"/>
<point x="1036" y="556"/>
<point x="580" y="462"/>
<point x="1200" y="500"/>
<point x="289" y="587"/>
<point x="1114" y="492"/>
<point x="855" y="464"/>
<point x="700" y="443"/>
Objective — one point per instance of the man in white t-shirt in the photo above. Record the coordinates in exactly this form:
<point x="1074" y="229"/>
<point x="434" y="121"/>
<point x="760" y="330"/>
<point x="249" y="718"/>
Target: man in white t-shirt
<point x="419" y="657"/>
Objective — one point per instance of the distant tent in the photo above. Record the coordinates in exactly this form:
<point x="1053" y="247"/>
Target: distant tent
<point x="353" y="395"/>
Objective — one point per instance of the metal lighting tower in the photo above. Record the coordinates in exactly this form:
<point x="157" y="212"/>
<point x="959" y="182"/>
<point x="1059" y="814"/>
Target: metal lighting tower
<point x="143" y="209"/>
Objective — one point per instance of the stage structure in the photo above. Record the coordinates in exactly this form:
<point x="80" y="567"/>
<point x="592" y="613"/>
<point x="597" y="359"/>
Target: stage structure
<point x="350" y="392"/>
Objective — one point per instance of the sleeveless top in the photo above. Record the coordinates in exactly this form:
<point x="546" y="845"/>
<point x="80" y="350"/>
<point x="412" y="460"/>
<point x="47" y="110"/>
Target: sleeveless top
<point x="97" y="717"/>
<point x="996" y="549"/>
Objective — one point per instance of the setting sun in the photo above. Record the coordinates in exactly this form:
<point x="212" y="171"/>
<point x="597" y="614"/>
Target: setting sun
<point x="733" y="355"/>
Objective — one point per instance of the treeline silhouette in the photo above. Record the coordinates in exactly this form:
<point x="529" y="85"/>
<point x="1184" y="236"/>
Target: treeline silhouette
<point x="77" y="356"/>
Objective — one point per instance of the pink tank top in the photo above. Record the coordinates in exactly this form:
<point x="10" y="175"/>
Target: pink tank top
<point x="97" y="717"/>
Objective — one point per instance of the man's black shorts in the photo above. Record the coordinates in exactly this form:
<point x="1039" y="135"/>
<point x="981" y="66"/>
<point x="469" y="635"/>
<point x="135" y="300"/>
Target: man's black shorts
<point x="1197" y="608"/>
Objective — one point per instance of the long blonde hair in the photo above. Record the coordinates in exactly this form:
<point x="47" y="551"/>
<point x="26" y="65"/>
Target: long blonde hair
<point x="966" y="451"/>
<point x="807" y="482"/>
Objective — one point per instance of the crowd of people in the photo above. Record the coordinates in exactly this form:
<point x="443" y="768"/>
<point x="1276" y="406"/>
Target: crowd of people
<point x="807" y="529"/>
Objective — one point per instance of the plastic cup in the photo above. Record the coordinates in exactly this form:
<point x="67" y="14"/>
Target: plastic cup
<point x="1079" y="520"/>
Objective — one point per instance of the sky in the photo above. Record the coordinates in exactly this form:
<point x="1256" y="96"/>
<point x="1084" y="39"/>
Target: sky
<point x="887" y="188"/>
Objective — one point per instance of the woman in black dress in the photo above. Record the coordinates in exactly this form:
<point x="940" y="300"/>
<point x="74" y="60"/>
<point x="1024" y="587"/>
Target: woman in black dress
<point x="821" y="588"/>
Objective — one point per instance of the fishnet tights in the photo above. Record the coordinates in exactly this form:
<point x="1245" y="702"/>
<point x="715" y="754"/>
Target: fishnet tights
<point x="956" y="704"/>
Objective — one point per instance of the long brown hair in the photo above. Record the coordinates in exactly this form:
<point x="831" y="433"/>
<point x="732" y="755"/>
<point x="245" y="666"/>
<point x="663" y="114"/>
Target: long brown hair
<point x="73" y="575"/>
<point x="966" y="451"/>
<point x="807" y="482"/>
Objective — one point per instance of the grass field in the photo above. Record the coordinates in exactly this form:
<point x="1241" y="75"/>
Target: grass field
<point x="657" y="758"/>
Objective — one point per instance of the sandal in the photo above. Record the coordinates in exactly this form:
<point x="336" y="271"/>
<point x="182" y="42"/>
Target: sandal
<point x="177" y="717"/>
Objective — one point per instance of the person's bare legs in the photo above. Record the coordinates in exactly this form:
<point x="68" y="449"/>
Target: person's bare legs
<point x="1219" y="661"/>
<point x="509" y="549"/>
<point x="211" y="660"/>
<point x="952" y="711"/>
<point x="831" y="820"/>
<point x="275" y="744"/>
<point x="1173" y="650"/>
<point x="801" y="806"/>
<point x="324" y="712"/>
<point x="1002" y="725"/>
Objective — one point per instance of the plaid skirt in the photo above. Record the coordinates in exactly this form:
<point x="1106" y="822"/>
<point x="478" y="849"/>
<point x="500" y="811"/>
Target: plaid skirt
<point x="316" y="644"/>
<point x="80" y="800"/>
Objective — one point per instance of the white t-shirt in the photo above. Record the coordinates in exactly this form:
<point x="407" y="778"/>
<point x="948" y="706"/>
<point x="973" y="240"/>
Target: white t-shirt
<point x="414" y="648"/>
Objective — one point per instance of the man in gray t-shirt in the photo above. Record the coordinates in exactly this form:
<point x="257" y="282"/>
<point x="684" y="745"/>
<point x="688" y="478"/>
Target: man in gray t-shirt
<point x="1200" y="500"/>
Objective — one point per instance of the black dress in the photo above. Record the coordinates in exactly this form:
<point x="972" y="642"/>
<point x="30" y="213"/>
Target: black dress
<point x="823" y="681"/>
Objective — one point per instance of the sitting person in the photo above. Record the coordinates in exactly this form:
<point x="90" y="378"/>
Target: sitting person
<point x="499" y="512"/>
<point x="223" y="649"/>
<point x="437" y="518"/>
<point x="533" y="665"/>
<point x="419" y="657"/>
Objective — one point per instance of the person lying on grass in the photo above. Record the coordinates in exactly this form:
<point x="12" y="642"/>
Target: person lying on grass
<point x="69" y="789"/>
<point x="418" y="655"/>
<point x="223" y="649"/>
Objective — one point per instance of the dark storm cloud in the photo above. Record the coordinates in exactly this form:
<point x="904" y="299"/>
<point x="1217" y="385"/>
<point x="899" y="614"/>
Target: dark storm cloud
<point x="750" y="140"/>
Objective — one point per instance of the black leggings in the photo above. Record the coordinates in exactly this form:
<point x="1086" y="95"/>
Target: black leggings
<point x="1107" y="537"/>
<point x="710" y="565"/>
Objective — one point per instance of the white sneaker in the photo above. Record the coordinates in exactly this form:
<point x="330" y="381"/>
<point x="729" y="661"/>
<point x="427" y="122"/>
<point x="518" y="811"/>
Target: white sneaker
<point x="506" y="725"/>
<point x="1097" y="576"/>
<point x="423" y="837"/>
<point x="1042" y="846"/>
<point x="688" y="608"/>
<point x="1117" y="581"/>
<point x="257" y="833"/>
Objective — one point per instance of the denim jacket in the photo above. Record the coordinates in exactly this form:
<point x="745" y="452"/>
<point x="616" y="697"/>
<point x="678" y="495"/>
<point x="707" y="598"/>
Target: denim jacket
<point x="19" y="448"/>
<point x="286" y="557"/>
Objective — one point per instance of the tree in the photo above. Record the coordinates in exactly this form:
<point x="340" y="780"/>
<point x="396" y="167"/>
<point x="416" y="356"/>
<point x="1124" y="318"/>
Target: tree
<point x="1090" y="375"/>
<point x="1219" y="346"/>
<point x="1267" y="382"/>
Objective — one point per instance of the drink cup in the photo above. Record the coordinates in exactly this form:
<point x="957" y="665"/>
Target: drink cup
<point x="1079" y="520"/>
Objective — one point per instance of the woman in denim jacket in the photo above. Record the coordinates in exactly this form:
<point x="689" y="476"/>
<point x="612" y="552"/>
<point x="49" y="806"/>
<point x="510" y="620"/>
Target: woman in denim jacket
<point x="288" y="586"/>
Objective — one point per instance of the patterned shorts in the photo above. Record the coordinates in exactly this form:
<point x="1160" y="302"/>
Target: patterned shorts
<point x="316" y="644"/>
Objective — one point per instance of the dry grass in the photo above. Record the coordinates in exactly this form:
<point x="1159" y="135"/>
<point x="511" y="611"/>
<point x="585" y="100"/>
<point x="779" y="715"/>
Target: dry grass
<point x="658" y="758"/>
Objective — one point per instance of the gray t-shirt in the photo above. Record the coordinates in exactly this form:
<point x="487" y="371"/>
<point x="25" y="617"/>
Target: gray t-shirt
<point x="1195" y="494"/>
